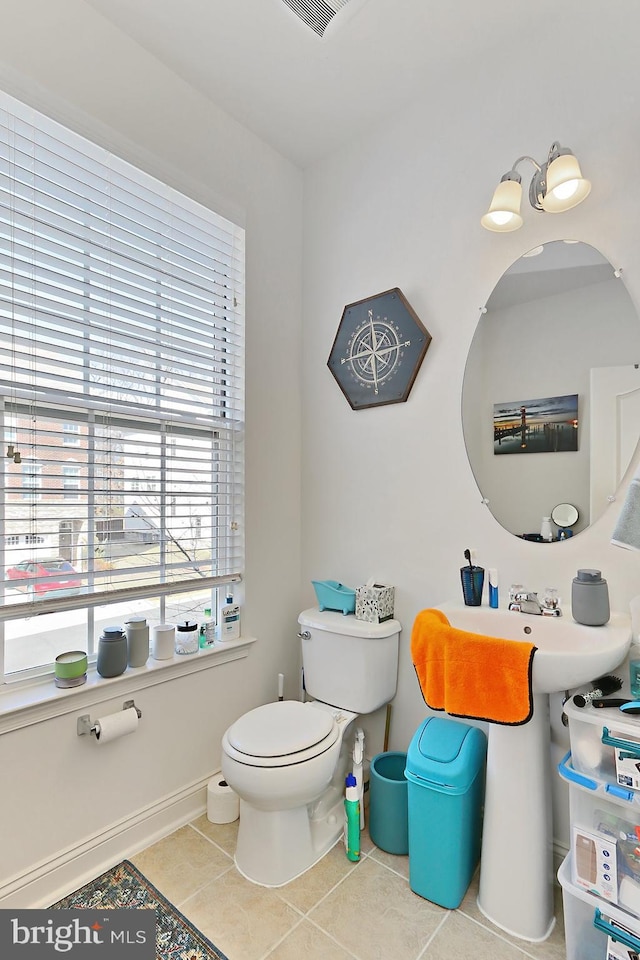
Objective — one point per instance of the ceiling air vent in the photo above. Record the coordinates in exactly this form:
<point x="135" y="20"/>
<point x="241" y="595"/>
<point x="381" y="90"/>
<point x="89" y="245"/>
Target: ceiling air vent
<point x="317" y="14"/>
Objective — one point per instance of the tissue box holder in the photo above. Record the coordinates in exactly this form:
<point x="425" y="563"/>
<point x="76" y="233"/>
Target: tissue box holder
<point x="374" y="603"/>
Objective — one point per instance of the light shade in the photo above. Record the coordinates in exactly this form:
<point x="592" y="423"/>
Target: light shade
<point x="566" y="187"/>
<point x="556" y="185"/>
<point x="504" y="213"/>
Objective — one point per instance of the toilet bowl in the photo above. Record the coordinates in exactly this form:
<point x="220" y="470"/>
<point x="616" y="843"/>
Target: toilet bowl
<point x="287" y="762"/>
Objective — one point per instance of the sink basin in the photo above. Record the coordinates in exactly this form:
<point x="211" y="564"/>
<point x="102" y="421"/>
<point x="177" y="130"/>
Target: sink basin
<point x="516" y="866"/>
<point x="568" y="655"/>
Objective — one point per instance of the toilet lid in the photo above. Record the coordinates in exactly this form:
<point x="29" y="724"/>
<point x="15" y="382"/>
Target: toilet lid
<point x="280" y="729"/>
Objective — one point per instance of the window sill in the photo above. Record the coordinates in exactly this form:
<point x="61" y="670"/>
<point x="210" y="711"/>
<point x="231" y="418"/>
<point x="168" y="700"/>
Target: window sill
<point x="27" y="703"/>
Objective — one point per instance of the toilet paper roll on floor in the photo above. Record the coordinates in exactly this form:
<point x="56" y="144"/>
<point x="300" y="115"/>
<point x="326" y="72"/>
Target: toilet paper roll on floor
<point x="223" y="803"/>
<point x="116" y="725"/>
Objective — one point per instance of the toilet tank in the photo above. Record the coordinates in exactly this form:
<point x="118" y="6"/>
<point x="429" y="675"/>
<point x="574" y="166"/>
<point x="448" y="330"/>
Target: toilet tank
<point x="349" y="663"/>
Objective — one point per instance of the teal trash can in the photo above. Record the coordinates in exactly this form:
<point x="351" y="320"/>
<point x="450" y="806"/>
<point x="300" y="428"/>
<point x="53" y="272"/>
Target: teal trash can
<point x="445" y="773"/>
<point x="388" y="805"/>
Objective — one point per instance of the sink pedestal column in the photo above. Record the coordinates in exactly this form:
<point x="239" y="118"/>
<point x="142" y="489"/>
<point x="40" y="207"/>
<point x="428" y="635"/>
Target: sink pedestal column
<point x="516" y="868"/>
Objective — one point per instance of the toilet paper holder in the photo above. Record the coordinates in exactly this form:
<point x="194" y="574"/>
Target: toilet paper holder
<point x="86" y="725"/>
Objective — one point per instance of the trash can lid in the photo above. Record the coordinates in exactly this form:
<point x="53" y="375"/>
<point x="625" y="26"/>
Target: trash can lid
<point x="446" y="753"/>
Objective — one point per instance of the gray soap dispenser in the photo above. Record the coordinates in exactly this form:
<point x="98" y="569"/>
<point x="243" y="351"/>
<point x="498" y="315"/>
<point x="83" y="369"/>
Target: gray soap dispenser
<point x="590" y="598"/>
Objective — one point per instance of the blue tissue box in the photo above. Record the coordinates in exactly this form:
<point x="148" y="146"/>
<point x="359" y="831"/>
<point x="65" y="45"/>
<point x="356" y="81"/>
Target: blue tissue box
<point x="333" y="596"/>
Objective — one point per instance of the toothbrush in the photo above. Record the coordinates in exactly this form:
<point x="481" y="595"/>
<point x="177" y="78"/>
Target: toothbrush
<point x="632" y="707"/>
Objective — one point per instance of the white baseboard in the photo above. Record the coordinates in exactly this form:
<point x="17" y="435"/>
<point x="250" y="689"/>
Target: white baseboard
<point x="50" y="880"/>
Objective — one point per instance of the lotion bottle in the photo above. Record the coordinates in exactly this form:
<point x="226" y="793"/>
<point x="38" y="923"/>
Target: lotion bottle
<point x="590" y="598"/>
<point x="351" y="818"/>
<point x="230" y="620"/>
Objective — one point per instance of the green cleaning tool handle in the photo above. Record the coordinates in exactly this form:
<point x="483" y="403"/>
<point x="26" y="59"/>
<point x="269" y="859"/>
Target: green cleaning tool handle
<point x="352" y="818"/>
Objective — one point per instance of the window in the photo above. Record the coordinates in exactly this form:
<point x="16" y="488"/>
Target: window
<point x="31" y="480"/>
<point x="121" y="387"/>
<point x="71" y="482"/>
<point x="71" y="434"/>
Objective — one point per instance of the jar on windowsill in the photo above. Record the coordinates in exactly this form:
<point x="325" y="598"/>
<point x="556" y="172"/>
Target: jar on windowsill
<point x="187" y="637"/>
<point x="112" y="652"/>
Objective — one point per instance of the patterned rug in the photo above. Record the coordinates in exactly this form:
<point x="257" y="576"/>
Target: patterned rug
<point x="124" y="886"/>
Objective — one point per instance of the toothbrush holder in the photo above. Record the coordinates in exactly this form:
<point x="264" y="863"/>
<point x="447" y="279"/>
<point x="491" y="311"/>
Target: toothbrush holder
<point x="472" y="585"/>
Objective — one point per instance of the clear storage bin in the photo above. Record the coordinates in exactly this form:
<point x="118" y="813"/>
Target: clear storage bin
<point x="588" y="923"/>
<point x="605" y="838"/>
<point x="595" y="733"/>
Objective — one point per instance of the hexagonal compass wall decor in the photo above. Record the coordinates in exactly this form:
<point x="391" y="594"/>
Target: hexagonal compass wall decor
<point x="378" y="349"/>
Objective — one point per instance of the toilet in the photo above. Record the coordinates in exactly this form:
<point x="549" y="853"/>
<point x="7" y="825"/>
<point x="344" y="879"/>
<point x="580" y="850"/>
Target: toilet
<point x="287" y="760"/>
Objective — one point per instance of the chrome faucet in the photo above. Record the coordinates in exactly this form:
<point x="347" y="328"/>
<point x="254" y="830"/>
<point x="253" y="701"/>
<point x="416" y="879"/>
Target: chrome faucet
<point x="528" y="602"/>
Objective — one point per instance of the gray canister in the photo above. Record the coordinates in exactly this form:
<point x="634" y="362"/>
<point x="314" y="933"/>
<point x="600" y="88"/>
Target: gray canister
<point x="590" y="599"/>
<point x="112" y="652"/>
<point x="137" y="641"/>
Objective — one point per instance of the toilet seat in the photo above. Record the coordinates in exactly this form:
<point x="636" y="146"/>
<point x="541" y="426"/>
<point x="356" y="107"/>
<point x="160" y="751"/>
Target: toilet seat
<point x="280" y="734"/>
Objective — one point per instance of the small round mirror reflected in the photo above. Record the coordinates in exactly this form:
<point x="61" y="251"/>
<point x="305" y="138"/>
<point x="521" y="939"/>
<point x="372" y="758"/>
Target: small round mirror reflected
<point x="565" y="515"/>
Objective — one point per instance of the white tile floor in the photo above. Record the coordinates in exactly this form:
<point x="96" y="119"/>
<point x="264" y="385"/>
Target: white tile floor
<point x="338" y="910"/>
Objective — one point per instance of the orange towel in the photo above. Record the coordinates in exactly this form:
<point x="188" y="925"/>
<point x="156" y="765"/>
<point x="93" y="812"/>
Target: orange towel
<point x="470" y="675"/>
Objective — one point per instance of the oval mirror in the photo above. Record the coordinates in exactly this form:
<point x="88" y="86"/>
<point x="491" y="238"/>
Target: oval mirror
<point x="551" y="392"/>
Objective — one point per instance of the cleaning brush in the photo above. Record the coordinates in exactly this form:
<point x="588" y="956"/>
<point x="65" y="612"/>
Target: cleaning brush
<point x="602" y="687"/>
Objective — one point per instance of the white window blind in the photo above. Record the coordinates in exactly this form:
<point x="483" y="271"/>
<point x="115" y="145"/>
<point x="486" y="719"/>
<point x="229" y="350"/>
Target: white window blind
<point x="122" y="330"/>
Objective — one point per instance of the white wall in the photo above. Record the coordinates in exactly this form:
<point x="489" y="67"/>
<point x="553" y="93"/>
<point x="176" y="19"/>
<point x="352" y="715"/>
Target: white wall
<point x="60" y="799"/>
<point x="389" y="491"/>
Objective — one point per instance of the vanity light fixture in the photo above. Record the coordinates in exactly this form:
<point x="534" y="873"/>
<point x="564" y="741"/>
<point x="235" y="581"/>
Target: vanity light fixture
<point x="556" y="186"/>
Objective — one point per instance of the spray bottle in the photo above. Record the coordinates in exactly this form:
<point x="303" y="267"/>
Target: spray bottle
<point x="351" y="818"/>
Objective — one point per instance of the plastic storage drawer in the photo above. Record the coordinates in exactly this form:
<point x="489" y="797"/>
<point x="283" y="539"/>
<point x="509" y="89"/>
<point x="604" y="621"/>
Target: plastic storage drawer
<point x="445" y="774"/>
<point x="588" y="922"/>
<point x="605" y="838"/>
<point x="594" y="735"/>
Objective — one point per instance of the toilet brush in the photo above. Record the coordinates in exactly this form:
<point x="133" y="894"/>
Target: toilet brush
<point x="358" y="770"/>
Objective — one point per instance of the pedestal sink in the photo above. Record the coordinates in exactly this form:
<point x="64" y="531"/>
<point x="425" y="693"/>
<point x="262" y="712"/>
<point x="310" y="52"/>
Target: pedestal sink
<point x="516" y="867"/>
